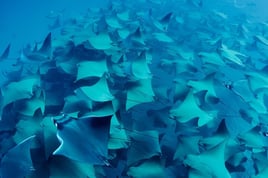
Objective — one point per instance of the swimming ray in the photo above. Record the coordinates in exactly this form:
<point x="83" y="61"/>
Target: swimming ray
<point x="101" y="41"/>
<point x="232" y="55"/>
<point x="113" y="22"/>
<point x="123" y="33"/>
<point x="124" y="15"/>
<point x="86" y="69"/>
<point x="206" y="84"/>
<point x="189" y="110"/>
<point x="187" y="145"/>
<point x="100" y="109"/>
<point x="180" y="89"/>
<point x="17" y="161"/>
<point x="26" y="127"/>
<point x="22" y="89"/>
<point x="144" y="145"/>
<point x="242" y="88"/>
<point x="253" y="139"/>
<point x="139" y="100"/>
<point x="257" y="81"/>
<point x="211" y="162"/>
<point x="257" y="103"/>
<point x="142" y="92"/>
<point x="219" y="136"/>
<point x="84" y="140"/>
<point x="118" y="138"/>
<point x="75" y="104"/>
<point x="140" y="68"/>
<point x="68" y="66"/>
<point x="98" y="92"/>
<point x="29" y="107"/>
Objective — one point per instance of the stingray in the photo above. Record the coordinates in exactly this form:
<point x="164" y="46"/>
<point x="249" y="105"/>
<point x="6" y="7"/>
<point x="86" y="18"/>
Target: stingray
<point x="101" y="109"/>
<point x="84" y="140"/>
<point x="26" y="127"/>
<point x="101" y="41"/>
<point x="87" y="69"/>
<point x="144" y="145"/>
<point x="123" y="33"/>
<point x="206" y="84"/>
<point x="189" y="110"/>
<point x="254" y="139"/>
<point x="99" y="92"/>
<point x="187" y="145"/>
<point x="124" y="15"/>
<point x="258" y="81"/>
<point x="29" y="107"/>
<point x="19" y="90"/>
<point x="140" y="68"/>
<point x="141" y="92"/>
<point x="210" y="162"/>
<point x="113" y="22"/>
<point x="17" y="161"/>
<point x="232" y="55"/>
<point x="74" y="104"/>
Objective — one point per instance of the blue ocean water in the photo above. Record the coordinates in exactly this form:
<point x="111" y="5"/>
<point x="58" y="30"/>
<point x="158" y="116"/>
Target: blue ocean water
<point x="142" y="89"/>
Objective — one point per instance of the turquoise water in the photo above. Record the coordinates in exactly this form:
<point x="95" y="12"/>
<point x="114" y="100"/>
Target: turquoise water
<point x="142" y="89"/>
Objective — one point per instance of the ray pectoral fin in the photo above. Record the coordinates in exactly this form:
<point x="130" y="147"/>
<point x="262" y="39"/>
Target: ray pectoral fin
<point x="142" y="93"/>
<point x="189" y="110"/>
<point x="46" y="46"/>
<point x="88" y="69"/>
<point x="98" y="92"/>
<point x="210" y="162"/>
<point x="101" y="41"/>
<point x="17" y="161"/>
<point x="86" y="136"/>
<point x="6" y="52"/>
